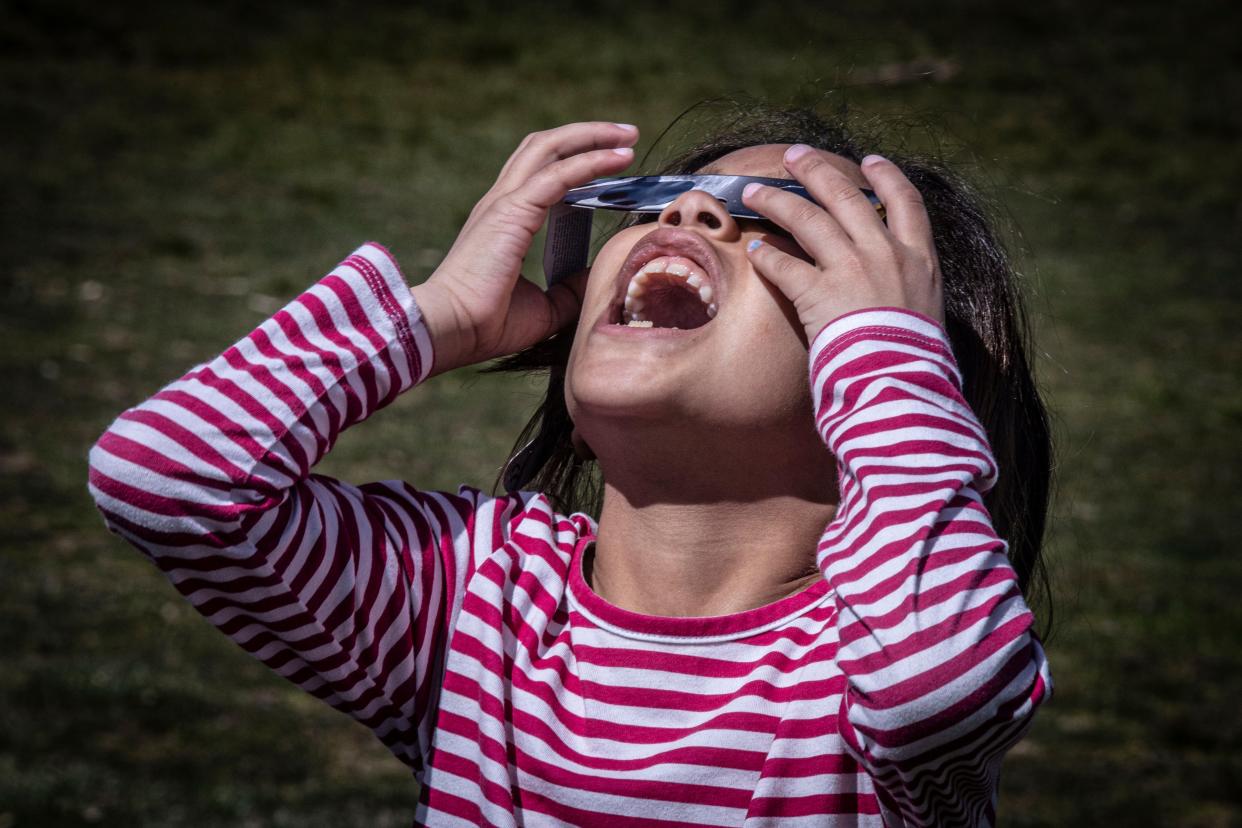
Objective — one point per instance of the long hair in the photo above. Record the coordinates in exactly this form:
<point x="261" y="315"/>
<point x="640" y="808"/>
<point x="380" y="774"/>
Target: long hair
<point x="985" y="320"/>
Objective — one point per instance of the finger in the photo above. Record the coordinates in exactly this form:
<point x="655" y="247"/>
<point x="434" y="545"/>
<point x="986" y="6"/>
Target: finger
<point x="549" y="185"/>
<point x="907" y="215"/>
<point x="835" y="191"/>
<point x="813" y="229"/>
<point x="790" y="274"/>
<point x="540" y="149"/>
<point x="525" y="208"/>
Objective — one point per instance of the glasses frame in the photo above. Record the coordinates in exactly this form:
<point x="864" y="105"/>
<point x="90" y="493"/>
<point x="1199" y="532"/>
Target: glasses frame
<point x="569" y="222"/>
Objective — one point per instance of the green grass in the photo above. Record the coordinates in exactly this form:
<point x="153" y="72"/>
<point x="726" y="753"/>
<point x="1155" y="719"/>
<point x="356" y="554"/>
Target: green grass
<point x="172" y="175"/>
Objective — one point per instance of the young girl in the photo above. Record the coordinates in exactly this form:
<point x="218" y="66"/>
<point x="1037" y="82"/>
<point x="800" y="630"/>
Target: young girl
<point x="794" y="608"/>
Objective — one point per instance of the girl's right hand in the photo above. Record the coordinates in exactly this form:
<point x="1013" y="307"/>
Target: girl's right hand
<point x="476" y="304"/>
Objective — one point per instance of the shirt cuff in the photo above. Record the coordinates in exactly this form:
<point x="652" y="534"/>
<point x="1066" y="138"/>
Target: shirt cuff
<point x="391" y="294"/>
<point x="892" y="324"/>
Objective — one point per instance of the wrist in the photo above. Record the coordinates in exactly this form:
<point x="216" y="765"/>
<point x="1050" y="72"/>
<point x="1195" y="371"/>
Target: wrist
<point x="443" y="328"/>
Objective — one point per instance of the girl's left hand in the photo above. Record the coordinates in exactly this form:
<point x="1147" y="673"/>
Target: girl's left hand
<point x="857" y="262"/>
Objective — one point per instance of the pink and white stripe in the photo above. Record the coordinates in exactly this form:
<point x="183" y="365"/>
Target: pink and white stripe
<point x="459" y="629"/>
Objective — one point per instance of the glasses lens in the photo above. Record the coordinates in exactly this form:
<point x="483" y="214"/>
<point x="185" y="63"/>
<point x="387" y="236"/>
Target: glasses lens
<point x="643" y="193"/>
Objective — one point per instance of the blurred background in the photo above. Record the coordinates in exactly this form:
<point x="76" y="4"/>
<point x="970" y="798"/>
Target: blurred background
<point x="173" y="173"/>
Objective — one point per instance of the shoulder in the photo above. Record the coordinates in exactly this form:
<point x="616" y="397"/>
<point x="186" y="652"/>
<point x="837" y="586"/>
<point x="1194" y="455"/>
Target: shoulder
<point x="544" y="541"/>
<point x="520" y="525"/>
<point x="532" y="516"/>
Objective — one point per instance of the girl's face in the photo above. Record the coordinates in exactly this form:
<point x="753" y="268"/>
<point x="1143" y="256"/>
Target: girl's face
<point x="736" y="360"/>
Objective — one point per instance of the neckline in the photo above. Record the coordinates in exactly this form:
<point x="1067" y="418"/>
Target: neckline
<point x="694" y="629"/>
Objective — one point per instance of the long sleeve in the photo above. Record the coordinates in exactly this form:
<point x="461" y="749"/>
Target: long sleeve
<point x="347" y="591"/>
<point x="943" y="672"/>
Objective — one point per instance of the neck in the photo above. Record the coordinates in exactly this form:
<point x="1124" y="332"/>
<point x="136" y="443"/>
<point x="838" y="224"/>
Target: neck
<point x="709" y="531"/>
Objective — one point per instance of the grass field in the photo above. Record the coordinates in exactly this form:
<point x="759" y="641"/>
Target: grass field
<point x="174" y="173"/>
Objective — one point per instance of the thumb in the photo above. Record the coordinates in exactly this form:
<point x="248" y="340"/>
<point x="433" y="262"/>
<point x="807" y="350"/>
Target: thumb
<point x="565" y="300"/>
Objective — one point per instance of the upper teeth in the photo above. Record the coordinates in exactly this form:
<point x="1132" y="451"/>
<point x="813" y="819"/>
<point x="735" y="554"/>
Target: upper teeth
<point x="676" y="266"/>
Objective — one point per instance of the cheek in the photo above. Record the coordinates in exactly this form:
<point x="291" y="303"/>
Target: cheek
<point x="601" y="285"/>
<point x="771" y="318"/>
<point x="600" y="293"/>
<point x="761" y="369"/>
<point x="771" y="361"/>
<point x="790" y="324"/>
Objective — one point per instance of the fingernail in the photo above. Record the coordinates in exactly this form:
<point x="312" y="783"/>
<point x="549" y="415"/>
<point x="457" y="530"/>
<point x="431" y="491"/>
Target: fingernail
<point x="795" y="152"/>
<point x="868" y="160"/>
<point x="627" y="127"/>
<point x="625" y="152"/>
<point x="750" y="189"/>
<point x="753" y="245"/>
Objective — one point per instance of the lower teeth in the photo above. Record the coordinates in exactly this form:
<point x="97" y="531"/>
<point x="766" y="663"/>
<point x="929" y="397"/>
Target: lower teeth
<point x="639" y="323"/>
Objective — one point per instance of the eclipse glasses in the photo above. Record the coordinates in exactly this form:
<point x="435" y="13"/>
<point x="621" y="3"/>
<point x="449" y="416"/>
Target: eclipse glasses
<point x="569" y="223"/>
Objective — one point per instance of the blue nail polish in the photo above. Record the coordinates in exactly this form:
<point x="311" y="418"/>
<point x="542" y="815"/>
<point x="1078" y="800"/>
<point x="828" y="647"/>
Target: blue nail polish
<point x="753" y="245"/>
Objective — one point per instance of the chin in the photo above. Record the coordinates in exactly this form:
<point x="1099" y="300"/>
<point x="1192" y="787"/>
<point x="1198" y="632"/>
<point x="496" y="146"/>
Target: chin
<point x="616" y="388"/>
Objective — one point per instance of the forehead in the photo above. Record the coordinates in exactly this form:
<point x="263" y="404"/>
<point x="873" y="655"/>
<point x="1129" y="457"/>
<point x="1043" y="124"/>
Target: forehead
<point x="768" y="160"/>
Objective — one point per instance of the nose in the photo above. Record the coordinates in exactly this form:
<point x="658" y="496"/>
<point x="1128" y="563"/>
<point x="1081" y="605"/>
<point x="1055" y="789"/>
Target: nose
<point x="696" y="210"/>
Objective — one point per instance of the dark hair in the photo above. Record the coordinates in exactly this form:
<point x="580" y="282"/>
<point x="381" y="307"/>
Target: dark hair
<point x="985" y="321"/>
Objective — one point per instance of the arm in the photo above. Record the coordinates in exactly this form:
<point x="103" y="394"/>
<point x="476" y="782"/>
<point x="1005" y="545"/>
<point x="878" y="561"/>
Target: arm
<point x="346" y="591"/>
<point x="943" y="671"/>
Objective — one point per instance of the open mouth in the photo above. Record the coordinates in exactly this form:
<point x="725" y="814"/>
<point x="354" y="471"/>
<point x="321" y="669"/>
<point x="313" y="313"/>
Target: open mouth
<point x="669" y="292"/>
<point x="669" y="281"/>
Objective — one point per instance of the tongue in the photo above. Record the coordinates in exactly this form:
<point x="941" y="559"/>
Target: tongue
<point x="674" y="306"/>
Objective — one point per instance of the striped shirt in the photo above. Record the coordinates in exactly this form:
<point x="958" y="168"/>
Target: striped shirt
<point x="459" y="628"/>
